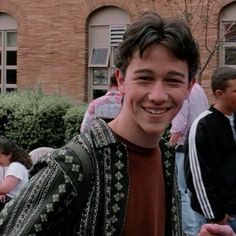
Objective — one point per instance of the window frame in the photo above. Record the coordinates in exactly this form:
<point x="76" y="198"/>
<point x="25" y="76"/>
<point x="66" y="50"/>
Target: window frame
<point x="4" y="67"/>
<point x="224" y="44"/>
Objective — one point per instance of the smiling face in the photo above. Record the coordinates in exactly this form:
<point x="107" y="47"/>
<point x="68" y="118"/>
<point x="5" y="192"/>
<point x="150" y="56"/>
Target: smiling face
<point x="154" y="88"/>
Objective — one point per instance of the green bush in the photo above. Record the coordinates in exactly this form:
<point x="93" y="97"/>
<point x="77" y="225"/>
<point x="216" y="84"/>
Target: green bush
<point x="73" y="119"/>
<point x="33" y="119"/>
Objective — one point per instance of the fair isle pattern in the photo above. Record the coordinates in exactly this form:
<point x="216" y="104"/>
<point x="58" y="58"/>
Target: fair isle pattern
<point x="120" y="192"/>
<point x="171" y="187"/>
<point x="42" y="187"/>
<point x="107" y="179"/>
<point x="116" y="180"/>
<point x="44" y="181"/>
<point x="87" y="223"/>
<point x="113" y="159"/>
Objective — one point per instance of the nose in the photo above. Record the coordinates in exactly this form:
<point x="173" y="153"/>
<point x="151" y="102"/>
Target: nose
<point x="158" y="93"/>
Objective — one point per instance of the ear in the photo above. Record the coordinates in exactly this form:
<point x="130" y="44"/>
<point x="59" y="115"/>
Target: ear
<point x="219" y="93"/>
<point x="120" y="80"/>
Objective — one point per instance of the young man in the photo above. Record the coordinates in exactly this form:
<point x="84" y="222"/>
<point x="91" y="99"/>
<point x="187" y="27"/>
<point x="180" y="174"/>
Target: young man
<point x="196" y="103"/>
<point x="133" y="189"/>
<point x="106" y="107"/>
<point x="211" y="152"/>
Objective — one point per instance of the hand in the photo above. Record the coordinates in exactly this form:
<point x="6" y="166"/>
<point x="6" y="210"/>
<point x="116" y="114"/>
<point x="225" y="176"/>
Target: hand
<point x="216" y="229"/>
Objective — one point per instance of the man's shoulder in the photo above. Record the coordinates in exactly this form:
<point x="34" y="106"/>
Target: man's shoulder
<point x="204" y="119"/>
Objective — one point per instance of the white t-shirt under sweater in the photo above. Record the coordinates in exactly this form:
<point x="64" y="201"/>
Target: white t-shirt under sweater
<point x="20" y="172"/>
<point x="231" y="120"/>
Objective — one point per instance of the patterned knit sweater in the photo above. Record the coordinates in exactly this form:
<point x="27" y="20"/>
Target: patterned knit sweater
<point x="54" y="203"/>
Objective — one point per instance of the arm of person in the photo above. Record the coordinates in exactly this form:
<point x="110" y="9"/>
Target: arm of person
<point x="49" y="200"/>
<point x="179" y="124"/>
<point x="174" y="138"/>
<point x="9" y="183"/>
<point x="88" y="119"/>
<point x="216" y="229"/>
<point x="202" y="181"/>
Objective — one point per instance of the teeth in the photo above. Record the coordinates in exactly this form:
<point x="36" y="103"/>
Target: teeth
<point x="155" y="111"/>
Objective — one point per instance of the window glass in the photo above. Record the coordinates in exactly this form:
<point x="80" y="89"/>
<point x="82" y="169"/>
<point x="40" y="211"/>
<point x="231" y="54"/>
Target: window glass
<point x="100" y="77"/>
<point x="0" y="57"/>
<point x="230" y="55"/>
<point x="230" y="31"/>
<point x="8" y="90"/>
<point x="11" y="77"/>
<point x="11" y="58"/>
<point x="11" y="39"/>
<point x="0" y="39"/>
<point x="99" y="57"/>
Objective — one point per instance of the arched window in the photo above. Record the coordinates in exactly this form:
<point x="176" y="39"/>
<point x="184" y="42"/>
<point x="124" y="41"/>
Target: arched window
<point x="106" y="29"/>
<point x="227" y="56"/>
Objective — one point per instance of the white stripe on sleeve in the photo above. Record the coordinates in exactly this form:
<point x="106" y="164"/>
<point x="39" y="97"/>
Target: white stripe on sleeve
<point x="196" y="171"/>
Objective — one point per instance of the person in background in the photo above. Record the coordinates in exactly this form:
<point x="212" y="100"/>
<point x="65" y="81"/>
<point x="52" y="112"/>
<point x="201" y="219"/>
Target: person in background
<point x="196" y="103"/>
<point x="106" y="107"/>
<point x="17" y="162"/>
<point x="211" y="153"/>
<point x="39" y="152"/>
<point x="133" y="189"/>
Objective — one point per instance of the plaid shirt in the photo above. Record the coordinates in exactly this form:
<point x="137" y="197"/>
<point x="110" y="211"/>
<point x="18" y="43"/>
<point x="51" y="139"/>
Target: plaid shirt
<point x="107" y="107"/>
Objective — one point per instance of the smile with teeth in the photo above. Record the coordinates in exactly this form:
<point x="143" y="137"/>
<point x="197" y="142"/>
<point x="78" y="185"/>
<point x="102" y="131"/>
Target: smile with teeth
<point x="156" y="111"/>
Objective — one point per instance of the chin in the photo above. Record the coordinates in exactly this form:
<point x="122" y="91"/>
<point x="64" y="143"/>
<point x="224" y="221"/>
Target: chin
<point x="154" y="130"/>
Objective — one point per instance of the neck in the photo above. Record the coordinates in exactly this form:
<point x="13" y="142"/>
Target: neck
<point x="223" y="109"/>
<point x="134" y="135"/>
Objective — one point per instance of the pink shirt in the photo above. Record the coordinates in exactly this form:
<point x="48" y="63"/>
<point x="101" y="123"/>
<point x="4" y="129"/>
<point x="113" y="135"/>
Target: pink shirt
<point x="107" y="106"/>
<point x="196" y="103"/>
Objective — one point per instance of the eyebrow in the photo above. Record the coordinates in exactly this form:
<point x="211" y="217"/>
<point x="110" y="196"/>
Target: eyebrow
<point x="176" y="73"/>
<point x="173" y="72"/>
<point x="143" y="71"/>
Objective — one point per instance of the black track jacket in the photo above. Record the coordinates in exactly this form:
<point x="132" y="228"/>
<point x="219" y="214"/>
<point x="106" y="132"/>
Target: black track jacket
<point x="210" y="165"/>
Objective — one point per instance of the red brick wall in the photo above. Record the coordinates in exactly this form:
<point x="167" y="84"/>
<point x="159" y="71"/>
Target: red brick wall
<point x="52" y="47"/>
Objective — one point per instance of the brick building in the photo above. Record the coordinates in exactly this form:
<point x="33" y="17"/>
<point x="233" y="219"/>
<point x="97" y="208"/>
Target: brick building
<point x="68" y="47"/>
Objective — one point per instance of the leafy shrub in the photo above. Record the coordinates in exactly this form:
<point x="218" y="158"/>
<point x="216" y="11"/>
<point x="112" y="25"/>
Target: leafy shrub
<point x="33" y="119"/>
<point x="73" y="119"/>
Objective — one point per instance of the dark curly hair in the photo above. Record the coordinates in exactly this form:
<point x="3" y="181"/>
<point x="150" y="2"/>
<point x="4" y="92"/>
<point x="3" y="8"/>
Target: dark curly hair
<point x="18" y="154"/>
<point x="151" y="29"/>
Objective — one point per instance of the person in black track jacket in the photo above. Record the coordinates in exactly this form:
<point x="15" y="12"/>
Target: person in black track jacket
<point x="210" y="165"/>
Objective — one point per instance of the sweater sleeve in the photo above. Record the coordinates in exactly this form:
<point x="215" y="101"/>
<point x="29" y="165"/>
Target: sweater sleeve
<point x="47" y="198"/>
